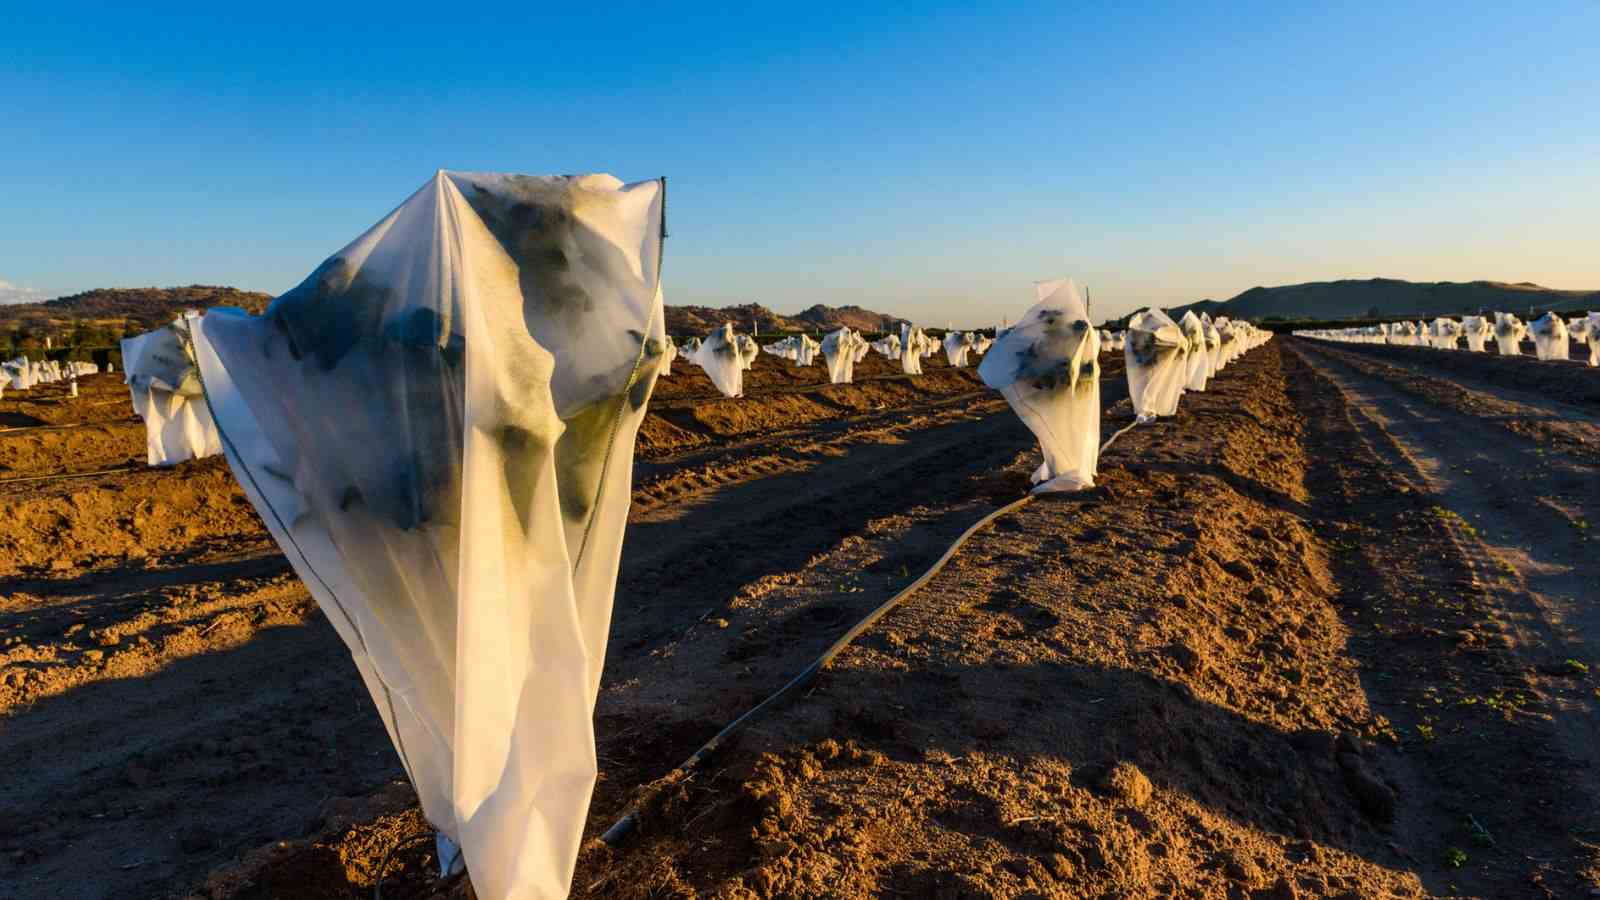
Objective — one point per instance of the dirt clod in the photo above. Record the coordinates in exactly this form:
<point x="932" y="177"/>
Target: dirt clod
<point x="1239" y="569"/>
<point x="1125" y="782"/>
<point x="1187" y="658"/>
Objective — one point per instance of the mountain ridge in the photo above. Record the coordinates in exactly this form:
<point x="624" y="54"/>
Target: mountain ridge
<point x="1391" y="297"/>
<point x="691" y="319"/>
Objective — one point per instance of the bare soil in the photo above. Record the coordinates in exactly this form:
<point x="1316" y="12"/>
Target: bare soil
<point x="1277" y="653"/>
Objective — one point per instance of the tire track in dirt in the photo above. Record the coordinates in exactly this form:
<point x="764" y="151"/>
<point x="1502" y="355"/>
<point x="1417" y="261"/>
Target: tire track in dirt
<point x="1567" y="427"/>
<point x="1571" y="381"/>
<point x="1519" y="515"/>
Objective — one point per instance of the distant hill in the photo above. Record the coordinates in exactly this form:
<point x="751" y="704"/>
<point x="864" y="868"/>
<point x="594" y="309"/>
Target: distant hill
<point x="1389" y="297"/>
<point x="694" y="320"/>
<point x="832" y="318"/>
<point x="103" y="316"/>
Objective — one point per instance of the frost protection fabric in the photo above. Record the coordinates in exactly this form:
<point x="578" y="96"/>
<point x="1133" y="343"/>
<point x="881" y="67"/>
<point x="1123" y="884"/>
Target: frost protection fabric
<point x="1047" y="366"/>
<point x="1224" y="342"/>
<point x="1212" y="350"/>
<point x="956" y="347"/>
<point x="164" y="384"/>
<point x="1445" y="333"/>
<point x="805" y="350"/>
<point x="438" y="426"/>
<point x="913" y="344"/>
<point x="669" y="353"/>
<point x="840" y="351"/>
<point x="783" y="349"/>
<point x="1593" y="328"/>
<point x="1578" y="329"/>
<point x="1158" y="364"/>
<point x="1477" y="330"/>
<point x="1550" y="337"/>
<point x="1508" y="333"/>
<point x="889" y="346"/>
<point x="748" y="351"/>
<point x="719" y="356"/>
<point x="19" y="373"/>
<point x="1198" y="358"/>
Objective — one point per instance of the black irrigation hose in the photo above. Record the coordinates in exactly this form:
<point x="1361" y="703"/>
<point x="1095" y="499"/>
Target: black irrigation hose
<point x="69" y="475"/>
<point x="625" y="825"/>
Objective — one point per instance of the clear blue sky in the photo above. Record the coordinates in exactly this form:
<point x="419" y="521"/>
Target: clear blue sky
<point x="930" y="164"/>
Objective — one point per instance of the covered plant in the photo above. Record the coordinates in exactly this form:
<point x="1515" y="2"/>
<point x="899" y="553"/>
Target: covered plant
<point x="957" y="345"/>
<point x="805" y="349"/>
<point x="1158" y="363"/>
<point x="1047" y="367"/>
<point x="718" y="355"/>
<point x="1477" y="330"/>
<point x="783" y="349"/>
<point x="914" y="345"/>
<point x="668" y="354"/>
<point x="1586" y="330"/>
<point x="1444" y="333"/>
<point x="840" y="351"/>
<point x="1213" y="346"/>
<point x="1508" y="334"/>
<point x="437" y="426"/>
<point x="164" y="381"/>
<point x="748" y="351"/>
<point x="1199" y="359"/>
<point x="1550" y="338"/>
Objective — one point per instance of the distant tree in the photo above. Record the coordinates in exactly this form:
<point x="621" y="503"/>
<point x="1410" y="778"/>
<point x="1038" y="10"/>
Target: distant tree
<point x="1374" y="312"/>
